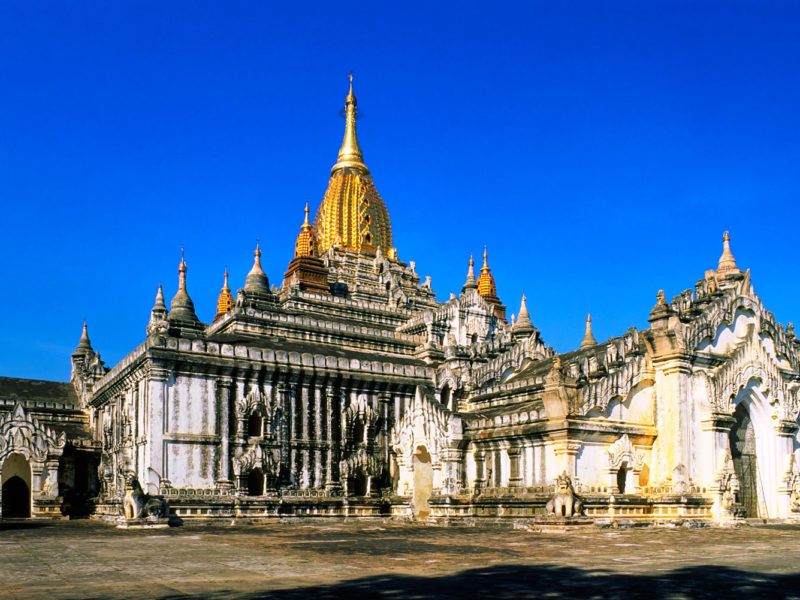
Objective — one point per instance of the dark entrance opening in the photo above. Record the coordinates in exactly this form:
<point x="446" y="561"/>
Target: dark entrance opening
<point x="622" y="475"/>
<point x="16" y="499"/>
<point x="357" y="486"/>
<point x="743" y="452"/>
<point x="255" y="483"/>
<point x="254" y="425"/>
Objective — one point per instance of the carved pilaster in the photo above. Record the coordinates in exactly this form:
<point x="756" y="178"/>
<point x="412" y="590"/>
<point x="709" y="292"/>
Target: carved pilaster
<point x="514" y="478"/>
<point x="223" y="392"/>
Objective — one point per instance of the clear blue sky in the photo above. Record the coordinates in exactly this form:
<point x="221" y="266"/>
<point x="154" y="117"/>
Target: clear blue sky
<point x="599" y="150"/>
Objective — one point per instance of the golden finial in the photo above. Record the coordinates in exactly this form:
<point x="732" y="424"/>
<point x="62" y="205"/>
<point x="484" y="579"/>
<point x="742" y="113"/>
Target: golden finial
<point x="588" y="337"/>
<point x="486" y="285"/>
<point x="306" y="244"/>
<point x="306" y="224"/>
<point x="225" y="300"/>
<point x="727" y="263"/>
<point x="350" y="156"/>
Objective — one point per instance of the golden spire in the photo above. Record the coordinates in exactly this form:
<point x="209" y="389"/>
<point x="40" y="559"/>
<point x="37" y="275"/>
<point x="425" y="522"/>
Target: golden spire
<point x="350" y="156"/>
<point x="470" y="283"/>
<point x="352" y="214"/>
<point x="225" y="300"/>
<point x="486" y="285"/>
<point x="727" y="264"/>
<point x="306" y="225"/>
<point x="256" y="280"/>
<point x="588" y="338"/>
<point x="306" y="244"/>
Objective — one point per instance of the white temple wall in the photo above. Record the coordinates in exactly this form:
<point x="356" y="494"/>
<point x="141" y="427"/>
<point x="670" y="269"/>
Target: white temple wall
<point x="191" y="464"/>
<point x="192" y="406"/>
<point x="592" y="464"/>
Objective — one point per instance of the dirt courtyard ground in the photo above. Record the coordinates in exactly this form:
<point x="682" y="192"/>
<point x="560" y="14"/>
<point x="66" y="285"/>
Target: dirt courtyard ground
<point x="85" y="559"/>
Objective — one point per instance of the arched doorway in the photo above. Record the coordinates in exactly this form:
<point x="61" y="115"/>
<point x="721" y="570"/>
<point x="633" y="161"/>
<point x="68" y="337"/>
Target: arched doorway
<point x="622" y="477"/>
<point x="357" y="483"/>
<point x="423" y="483"/>
<point x="16" y="487"/>
<point x="743" y="452"/>
<point x="255" y="482"/>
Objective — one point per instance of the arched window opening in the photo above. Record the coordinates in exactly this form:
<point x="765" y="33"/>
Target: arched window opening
<point x="621" y="477"/>
<point x="359" y="432"/>
<point x="254" y="425"/>
<point x="446" y="396"/>
<point x="255" y="482"/>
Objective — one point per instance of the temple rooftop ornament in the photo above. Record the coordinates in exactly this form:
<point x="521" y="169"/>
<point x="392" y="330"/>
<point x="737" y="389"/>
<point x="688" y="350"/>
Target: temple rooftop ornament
<point x="470" y="284"/>
<point x="306" y="244"/>
<point x="486" y="285"/>
<point x="488" y="290"/>
<point x="160" y="305"/>
<point x="588" y="337"/>
<point x="182" y="308"/>
<point x="225" y="299"/>
<point x="306" y="269"/>
<point x="523" y="327"/>
<point x="352" y="214"/>
<point x="256" y="280"/>
<point x="84" y="345"/>
<point x="727" y="263"/>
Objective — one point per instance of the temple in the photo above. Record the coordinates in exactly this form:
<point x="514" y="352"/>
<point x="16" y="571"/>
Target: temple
<point x="348" y="389"/>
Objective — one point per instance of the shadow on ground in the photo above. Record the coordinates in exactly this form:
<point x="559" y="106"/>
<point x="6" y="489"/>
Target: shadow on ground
<point x="505" y="582"/>
<point x="8" y="524"/>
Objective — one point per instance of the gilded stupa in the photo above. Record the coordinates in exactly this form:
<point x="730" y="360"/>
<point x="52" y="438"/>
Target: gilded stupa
<point x="352" y="214"/>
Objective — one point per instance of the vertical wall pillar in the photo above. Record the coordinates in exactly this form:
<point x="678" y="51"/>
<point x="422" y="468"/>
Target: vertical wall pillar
<point x="514" y="476"/>
<point x="480" y="469"/>
<point x="158" y="423"/>
<point x="223" y="390"/>
<point x="318" y="437"/>
<point x="304" y="474"/>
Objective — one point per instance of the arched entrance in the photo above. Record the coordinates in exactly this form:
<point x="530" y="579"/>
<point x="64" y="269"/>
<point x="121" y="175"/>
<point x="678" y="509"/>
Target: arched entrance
<point x="622" y="477"/>
<point x="423" y="483"/>
<point x="357" y="483"/>
<point x="255" y="482"/>
<point x="16" y="487"/>
<point x="743" y="452"/>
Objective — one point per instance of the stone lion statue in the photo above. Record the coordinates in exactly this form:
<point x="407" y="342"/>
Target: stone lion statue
<point x="564" y="503"/>
<point x="137" y="504"/>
